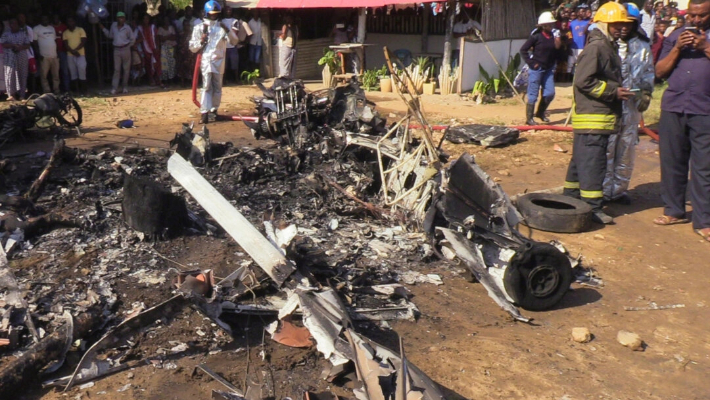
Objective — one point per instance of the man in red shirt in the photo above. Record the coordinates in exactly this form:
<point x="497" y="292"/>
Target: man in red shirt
<point x="61" y="53"/>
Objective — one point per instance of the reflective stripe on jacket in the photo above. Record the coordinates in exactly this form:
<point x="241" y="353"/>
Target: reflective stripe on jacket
<point x="596" y="110"/>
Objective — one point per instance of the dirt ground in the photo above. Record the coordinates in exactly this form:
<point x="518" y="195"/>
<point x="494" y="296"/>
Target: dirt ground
<point x="463" y="340"/>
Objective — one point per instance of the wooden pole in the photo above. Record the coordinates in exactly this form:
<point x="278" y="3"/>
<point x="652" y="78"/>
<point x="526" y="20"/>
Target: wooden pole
<point x="425" y="29"/>
<point x="96" y="56"/>
<point x="495" y="60"/>
<point x="450" y="17"/>
<point x="266" y="57"/>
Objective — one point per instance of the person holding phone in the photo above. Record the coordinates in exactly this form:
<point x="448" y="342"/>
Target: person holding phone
<point x="638" y="75"/>
<point x="684" y="128"/>
<point x="540" y="53"/>
<point x="596" y="114"/>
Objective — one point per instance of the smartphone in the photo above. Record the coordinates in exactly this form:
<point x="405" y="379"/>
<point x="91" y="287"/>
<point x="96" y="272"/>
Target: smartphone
<point x="693" y="29"/>
<point x="634" y="90"/>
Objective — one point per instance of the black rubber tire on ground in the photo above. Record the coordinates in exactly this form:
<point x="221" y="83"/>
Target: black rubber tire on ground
<point x="72" y="116"/>
<point x="554" y="212"/>
<point x="538" y="276"/>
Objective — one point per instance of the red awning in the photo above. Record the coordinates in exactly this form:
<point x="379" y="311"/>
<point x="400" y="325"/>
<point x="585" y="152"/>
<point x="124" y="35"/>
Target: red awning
<point x="328" y="3"/>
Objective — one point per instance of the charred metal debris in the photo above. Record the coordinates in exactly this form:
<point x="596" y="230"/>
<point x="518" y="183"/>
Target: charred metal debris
<point x="57" y="113"/>
<point x="332" y="221"/>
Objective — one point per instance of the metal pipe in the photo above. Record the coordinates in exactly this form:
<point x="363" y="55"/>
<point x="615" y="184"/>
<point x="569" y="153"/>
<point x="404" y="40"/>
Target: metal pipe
<point x="236" y="118"/>
<point x="543" y="128"/>
<point x="653" y="134"/>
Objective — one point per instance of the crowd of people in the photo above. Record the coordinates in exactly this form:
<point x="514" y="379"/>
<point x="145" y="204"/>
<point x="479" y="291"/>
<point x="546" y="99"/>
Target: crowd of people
<point x="147" y="49"/>
<point x="613" y="85"/>
<point x="574" y="20"/>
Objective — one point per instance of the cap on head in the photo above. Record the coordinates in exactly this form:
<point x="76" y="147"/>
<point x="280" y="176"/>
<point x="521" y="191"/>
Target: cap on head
<point x="120" y="14"/>
<point x="546" y="18"/>
<point x="212" y="7"/>
<point x="612" y="12"/>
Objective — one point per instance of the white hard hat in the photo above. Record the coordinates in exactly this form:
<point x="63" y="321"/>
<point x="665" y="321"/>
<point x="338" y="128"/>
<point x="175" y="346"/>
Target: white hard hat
<point x="546" y="18"/>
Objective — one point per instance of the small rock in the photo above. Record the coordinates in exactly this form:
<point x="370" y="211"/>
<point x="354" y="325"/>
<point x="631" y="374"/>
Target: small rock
<point x="504" y="172"/>
<point x="393" y="115"/>
<point x="87" y="385"/>
<point x="599" y="237"/>
<point x="581" y="335"/>
<point x="159" y="151"/>
<point x="130" y="375"/>
<point x="124" y="388"/>
<point x="630" y="340"/>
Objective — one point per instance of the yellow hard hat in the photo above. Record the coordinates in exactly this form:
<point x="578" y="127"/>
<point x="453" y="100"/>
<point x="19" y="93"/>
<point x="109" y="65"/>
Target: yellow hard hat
<point x="611" y="12"/>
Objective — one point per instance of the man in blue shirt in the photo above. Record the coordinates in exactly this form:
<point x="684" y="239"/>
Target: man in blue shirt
<point x="684" y="127"/>
<point x="578" y="27"/>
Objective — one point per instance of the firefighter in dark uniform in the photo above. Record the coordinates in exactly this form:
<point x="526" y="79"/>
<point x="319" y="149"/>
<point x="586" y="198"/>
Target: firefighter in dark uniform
<point x="597" y="108"/>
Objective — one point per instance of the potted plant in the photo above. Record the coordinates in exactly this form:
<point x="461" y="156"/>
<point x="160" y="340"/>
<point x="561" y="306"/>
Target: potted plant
<point x="331" y="62"/>
<point x="418" y="71"/>
<point x="385" y="79"/>
<point x="448" y="78"/>
<point x="370" y="79"/>
<point x="429" y="86"/>
<point x="250" y="77"/>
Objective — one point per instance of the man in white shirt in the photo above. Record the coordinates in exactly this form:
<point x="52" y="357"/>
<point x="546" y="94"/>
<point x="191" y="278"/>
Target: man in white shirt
<point x="464" y="27"/>
<point x="188" y="15"/>
<point x="46" y="38"/>
<point x="255" y="40"/>
<point x="123" y="38"/>
<point x="648" y="19"/>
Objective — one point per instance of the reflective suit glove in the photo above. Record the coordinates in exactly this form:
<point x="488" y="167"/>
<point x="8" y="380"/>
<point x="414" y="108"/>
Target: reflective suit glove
<point x="556" y="33"/>
<point x="644" y="101"/>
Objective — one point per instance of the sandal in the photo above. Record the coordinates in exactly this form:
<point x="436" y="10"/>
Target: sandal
<point x="705" y="233"/>
<point x="668" y="220"/>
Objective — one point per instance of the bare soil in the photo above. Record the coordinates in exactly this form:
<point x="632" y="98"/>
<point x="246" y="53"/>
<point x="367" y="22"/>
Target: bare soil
<point x="462" y="340"/>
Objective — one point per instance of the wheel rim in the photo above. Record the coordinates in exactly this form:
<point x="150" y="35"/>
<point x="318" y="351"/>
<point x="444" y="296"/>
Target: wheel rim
<point x="70" y="114"/>
<point x="543" y="280"/>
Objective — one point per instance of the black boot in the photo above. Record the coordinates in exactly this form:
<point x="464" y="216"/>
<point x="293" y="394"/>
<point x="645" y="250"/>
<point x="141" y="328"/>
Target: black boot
<point x="204" y="118"/>
<point x="83" y="87"/>
<point x="529" y="111"/>
<point x="541" y="108"/>
<point x="73" y="86"/>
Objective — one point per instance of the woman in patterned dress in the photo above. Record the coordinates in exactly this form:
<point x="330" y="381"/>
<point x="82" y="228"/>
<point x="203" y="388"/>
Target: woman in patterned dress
<point x="15" y="43"/>
<point x="186" y="59"/>
<point x="168" y="41"/>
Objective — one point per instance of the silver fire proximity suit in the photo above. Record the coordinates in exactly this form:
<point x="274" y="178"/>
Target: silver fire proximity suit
<point x="213" y="60"/>
<point x="638" y="73"/>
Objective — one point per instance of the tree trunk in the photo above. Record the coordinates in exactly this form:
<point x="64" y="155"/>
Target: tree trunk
<point x="450" y="17"/>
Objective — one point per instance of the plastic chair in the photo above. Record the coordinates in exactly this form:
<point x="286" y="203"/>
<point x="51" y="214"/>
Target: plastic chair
<point x="404" y="55"/>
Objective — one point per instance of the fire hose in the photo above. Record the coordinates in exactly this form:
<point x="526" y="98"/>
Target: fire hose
<point x="642" y="128"/>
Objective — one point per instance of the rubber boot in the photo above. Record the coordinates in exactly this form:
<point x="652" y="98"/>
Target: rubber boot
<point x="600" y="217"/>
<point x="74" y="86"/>
<point x="541" y="108"/>
<point x="204" y="119"/>
<point x="529" y="111"/>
